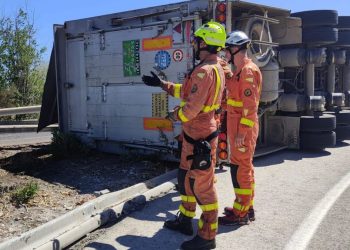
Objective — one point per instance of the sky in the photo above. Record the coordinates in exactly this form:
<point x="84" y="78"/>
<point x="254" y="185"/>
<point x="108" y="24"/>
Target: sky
<point x="45" y="13"/>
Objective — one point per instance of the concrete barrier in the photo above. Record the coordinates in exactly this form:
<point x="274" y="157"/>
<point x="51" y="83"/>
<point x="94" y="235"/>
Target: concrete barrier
<point x="73" y="225"/>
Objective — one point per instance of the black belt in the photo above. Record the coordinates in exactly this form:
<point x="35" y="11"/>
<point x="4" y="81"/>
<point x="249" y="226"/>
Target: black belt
<point x="208" y="139"/>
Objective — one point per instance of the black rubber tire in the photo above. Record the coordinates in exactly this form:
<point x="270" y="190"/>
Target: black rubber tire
<point x="320" y="35"/>
<point x="314" y="18"/>
<point x="321" y="123"/>
<point x="343" y="38"/>
<point x="317" y="140"/>
<point x="342" y="132"/>
<point x="343" y="116"/>
<point x="343" y="23"/>
<point x="252" y="27"/>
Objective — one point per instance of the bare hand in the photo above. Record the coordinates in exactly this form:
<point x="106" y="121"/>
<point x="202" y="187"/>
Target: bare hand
<point x="239" y="140"/>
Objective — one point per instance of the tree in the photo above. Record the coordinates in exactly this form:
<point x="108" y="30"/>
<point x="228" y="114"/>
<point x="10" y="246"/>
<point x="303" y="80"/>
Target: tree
<point x="21" y="75"/>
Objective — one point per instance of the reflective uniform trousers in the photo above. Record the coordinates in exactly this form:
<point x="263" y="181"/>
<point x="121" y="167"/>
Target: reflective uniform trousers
<point x="242" y="169"/>
<point x="197" y="186"/>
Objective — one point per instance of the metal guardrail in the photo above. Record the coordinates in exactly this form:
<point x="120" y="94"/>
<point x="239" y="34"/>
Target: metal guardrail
<point x="20" y="110"/>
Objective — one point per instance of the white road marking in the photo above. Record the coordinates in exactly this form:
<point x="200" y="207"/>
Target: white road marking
<point x="308" y="227"/>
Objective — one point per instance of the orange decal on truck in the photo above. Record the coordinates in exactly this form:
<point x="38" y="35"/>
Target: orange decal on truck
<point x="157" y="123"/>
<point x="159" y="43"/>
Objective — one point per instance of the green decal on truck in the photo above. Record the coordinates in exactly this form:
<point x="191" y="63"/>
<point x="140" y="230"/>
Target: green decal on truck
<point x="131" y="58"/>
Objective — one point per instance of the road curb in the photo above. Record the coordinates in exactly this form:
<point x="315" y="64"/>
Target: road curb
<point x="73" y="225"/>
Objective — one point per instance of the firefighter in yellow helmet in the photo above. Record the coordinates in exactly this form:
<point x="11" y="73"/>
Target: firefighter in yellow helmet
<point x="200" y="95"/>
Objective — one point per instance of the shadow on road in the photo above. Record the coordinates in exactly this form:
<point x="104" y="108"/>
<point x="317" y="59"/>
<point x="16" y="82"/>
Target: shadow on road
<point x="289" y="155"/>
<point x="162" y="239"/>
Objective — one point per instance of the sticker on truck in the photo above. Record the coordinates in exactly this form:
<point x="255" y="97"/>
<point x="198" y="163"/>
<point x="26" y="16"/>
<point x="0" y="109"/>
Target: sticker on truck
<point x="157" y="124"/>
<point x="159" y="43"/>
<point x="131" y="58"/>
<point x="162" y="60"/>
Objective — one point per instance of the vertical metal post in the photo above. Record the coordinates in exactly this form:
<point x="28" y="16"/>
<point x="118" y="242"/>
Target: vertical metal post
<point x="346" y="78"/>
<point x="310" y="79"/>
<point x="228" y="16"/>
<point x="197" y="21"/>
<point x="331" y="78"/>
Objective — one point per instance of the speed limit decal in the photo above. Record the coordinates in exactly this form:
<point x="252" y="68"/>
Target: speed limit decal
<point x="178" y="55"/>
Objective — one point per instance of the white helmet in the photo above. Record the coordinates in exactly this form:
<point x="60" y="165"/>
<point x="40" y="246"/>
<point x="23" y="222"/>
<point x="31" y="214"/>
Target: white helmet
<point x="237" y="38"/>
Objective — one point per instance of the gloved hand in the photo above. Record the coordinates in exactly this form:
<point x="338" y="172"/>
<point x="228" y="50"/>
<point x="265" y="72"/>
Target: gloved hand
<point x="153" y="80"/>
<point x="171" y="116"/>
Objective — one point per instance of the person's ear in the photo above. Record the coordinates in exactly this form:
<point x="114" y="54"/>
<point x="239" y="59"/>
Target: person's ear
<point x="202" y="44"/>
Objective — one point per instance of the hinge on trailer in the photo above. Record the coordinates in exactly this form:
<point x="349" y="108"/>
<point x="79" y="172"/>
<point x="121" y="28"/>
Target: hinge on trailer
<point x="104" y="91"/>
<point x="104" y="124"/>
<point x="68" y="85"/>
<point x="102" y="41"/>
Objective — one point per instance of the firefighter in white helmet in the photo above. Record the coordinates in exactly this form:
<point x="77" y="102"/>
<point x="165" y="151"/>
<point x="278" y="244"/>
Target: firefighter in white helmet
<point x="243" y="89"/>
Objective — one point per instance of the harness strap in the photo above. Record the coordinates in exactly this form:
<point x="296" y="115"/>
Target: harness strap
<point x="193" y="142"/>
<point x="208" y="139"/>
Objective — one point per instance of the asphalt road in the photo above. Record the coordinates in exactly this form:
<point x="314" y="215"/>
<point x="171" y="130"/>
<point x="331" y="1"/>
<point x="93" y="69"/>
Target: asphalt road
<point x="10" y="139"/>
<point x="302" y="202"/>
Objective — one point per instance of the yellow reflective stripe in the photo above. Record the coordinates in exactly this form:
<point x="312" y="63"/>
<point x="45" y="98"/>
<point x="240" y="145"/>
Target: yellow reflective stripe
<point x="243" y="191"/>
<point x="233" y="103"/>
<point x="251" y="203"/>
<point x="218" y="85"/>
<point x="247" y="122"/>
<point x="182" y="117"/>
<point x="200" y="224"/>
<point x="185" y="198"/>
<point x="207" y="109"/>
<point x="251" y="80"/>
<point x="243" y="150"/>
<point x="214" y="106"/>
<point x="186" y="212"/>
<point x="209" y="207"/>
<point x="213" y="226"/>
<point x="239" y="207"/>
<point x="177" y="89"/>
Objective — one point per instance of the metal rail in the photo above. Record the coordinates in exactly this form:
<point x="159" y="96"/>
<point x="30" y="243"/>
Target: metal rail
<point x="20" y="110"/>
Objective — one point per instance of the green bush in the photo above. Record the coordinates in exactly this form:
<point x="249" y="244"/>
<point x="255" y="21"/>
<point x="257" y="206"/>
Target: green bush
<point x="24" y="194"/>
<point x="65" y="145"/>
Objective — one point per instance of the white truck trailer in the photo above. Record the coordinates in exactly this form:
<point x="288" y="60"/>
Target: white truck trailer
<point x="94" y="87"/>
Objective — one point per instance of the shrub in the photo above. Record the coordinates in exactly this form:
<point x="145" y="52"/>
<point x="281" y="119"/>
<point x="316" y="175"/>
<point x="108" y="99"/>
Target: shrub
<point x="24" y="194"/>
<point x="66" y="145"/>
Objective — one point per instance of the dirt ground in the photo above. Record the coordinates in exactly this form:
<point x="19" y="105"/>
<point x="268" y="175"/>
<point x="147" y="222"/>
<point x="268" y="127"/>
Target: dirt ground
<point x="63" y="184"/>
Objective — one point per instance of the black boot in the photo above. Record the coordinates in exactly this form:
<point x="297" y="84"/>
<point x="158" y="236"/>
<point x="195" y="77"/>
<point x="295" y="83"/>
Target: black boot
<point x="251" y="214"/>
<point x="198" y="243"/>
<point x="181" y="223"/>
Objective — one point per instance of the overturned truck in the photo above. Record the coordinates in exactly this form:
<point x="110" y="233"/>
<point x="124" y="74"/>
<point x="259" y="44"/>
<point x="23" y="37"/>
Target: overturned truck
<point x="94" y="88"/>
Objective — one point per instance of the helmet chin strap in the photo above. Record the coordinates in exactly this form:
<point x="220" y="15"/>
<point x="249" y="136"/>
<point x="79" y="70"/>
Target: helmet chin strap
<point x="233" y="55"/>
<point x="199" y="49"/>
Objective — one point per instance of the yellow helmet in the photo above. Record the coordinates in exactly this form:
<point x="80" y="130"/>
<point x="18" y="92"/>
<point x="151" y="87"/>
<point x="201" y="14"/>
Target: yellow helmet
<point x="212" y="33"/>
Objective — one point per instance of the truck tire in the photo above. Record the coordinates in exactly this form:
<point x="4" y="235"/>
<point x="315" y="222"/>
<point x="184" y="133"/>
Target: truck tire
<point x="320" y="35"/>
<point x="325" y="122"/>
<point x="317" y="140"/>
<point x="343" y="22"/>
<point x="253" y="27"/>
<point x="343" y="38"/>
<point x="314" y="18"/>
<point x="342" y="116"/>
<point x="342" y="132"/>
